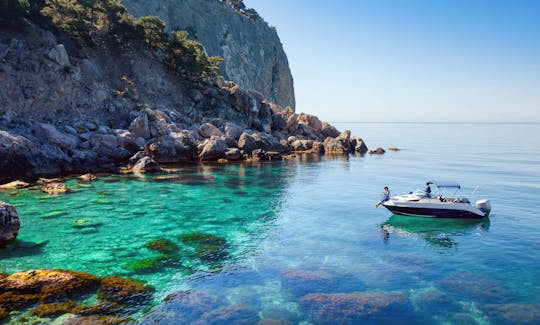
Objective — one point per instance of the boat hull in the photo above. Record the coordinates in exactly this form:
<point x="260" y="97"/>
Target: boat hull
<point x="432" y="212"/>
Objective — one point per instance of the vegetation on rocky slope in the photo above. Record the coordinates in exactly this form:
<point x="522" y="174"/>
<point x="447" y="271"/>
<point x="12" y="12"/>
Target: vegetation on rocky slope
<point x="94" y="21"/>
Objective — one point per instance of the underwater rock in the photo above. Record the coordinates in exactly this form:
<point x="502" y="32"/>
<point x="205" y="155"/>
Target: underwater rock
<point x="126" y="291"/>
<point x="9" y="223"/>
<point x="211" y="253"/>
<point x="474" y="286"/>
<point x="15" y="185"/>
<point x="85" y="223"/>
<point x="512" y="313"/>
<point x="87" y="178"/>
<point x="162" y="245"/>
<point x="354" y="308"/>
<point x="433" y="301"/>
<point x="98" y="320"/>
<point x="378" y="151"/>
<point x="145" y="265"/>
<point x="229" y="315"/>
<point x="55" y="309"/>
<point x="182" y="307"/>
<point x="55" y="188"/>
<point x="271" y="321"/>
<point x="322" y="279"/>
<point x="197" y="239"/>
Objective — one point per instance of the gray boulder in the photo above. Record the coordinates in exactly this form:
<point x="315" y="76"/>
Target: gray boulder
<point x="232" y="130"/>
<point x="233" y="154"/>
<point x="139" y="126"/>
<point x="358" y="145"/>
<point x="172" y="148"/>
<point x="246" y="143"/>
<point x="9" y="223"/>
<point x="329" y="130"/>
<point x="48" y="133"/>
<point x="146" y="165"/>
<point x="129" y="141"/>
<point x="59" y="55"/>
<point x="213" y="149"/>
<point x="207" y="130"/>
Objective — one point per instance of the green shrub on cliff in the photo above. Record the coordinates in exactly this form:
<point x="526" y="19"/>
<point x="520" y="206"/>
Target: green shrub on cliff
<point x="93" y="20"/>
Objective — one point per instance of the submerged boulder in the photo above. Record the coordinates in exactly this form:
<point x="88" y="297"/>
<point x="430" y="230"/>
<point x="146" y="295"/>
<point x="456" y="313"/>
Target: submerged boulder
<point x="9" y="223"/>
<point x="354" y="308"/>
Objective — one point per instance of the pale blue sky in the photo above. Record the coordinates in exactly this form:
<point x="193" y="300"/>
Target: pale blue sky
<point x="382" y="60"/>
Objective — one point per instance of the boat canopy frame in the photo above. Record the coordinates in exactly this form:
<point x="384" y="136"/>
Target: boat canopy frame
<point x="446" y="184"/>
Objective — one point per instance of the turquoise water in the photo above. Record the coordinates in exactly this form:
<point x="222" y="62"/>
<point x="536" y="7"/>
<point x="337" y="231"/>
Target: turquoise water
<point x="309" y="226"/>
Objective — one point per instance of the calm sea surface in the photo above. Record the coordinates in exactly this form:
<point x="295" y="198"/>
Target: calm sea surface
<point x="285" y="230"/>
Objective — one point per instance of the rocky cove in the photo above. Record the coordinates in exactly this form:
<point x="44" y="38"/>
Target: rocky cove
<point x="70" y="109"/>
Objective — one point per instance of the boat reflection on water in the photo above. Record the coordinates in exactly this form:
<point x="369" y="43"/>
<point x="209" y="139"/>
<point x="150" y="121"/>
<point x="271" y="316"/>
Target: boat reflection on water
<point x="435" y="231"/>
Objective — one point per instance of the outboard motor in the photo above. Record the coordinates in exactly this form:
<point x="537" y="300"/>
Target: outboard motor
<point x="484" y="206"/>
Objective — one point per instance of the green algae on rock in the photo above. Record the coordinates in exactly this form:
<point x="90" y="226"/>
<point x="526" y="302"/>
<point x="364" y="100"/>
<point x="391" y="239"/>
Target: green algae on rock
<point x="164" y="246"/>
<point x="55" y="309"/>
<point x="125" y="291"/>
<point x="197" y="239"/>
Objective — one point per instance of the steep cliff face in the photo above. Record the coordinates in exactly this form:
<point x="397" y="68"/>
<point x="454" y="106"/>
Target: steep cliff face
<point x="253" y="54"/>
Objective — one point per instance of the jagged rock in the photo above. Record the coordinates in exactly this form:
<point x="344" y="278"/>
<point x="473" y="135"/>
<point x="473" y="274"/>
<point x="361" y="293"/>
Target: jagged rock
<point x="175" y="147"/>
<point x="161" y="127"/>
<point x="358" y="145"/>
<point x="233" y="154"/>
<point x="317" y="147"/>
<point x="55" y="188"/>
<point x="310" y="120"/>
<point x="48" y="133"/>
<point x="329" y="130"/>
<point x="302" y="145"/>
<point x="378" y="151"/>
<point x="9" y="224"/>
<point x="213" y="149"/>
<point x="87" y="178"/>
<point x="207" y="130"/>
<point x="146" y="165"/>
<point x="14" y="185"/>
<point x="246" y="143"/>
<point x="139" y="126"/>
<point x="278" y="122"/>
<point x="232" y="130"/>
<point x="334" y="146"/>
<point x="128" y="140"/>
<point x="133" y="159"/>
<point x="354" y="308"/>
<point x="59" y="55"/>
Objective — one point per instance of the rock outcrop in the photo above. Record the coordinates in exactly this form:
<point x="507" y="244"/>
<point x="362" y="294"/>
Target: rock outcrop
<point x="9" y="223"/>
<point x="252" y="51"/>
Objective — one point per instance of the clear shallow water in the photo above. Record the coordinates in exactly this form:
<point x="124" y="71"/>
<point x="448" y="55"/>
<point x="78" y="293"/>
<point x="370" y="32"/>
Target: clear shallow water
<point x="309" y="226"/>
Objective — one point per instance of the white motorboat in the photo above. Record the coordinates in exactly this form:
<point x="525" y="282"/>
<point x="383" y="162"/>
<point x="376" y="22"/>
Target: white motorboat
<point x="422" y="204"/>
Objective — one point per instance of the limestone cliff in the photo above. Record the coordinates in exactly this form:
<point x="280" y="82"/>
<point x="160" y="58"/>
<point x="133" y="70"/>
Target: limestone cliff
<point x="253" y="54"/>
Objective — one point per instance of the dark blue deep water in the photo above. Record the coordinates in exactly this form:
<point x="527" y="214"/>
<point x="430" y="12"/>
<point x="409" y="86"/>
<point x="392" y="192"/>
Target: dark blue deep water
<point x="301" y="241"/>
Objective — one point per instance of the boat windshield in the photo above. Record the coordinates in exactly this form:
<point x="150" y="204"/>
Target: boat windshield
<point x="419" y="193"/>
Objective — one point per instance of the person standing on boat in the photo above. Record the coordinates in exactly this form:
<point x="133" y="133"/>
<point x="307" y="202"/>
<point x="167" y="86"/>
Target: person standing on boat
<point x="386" y="196"/>
<point x="428" y="189"/>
